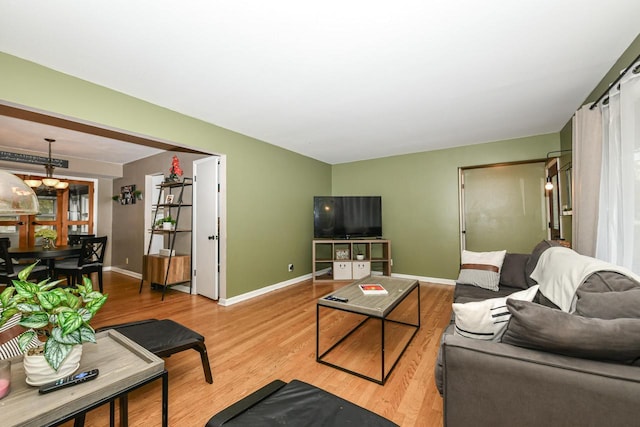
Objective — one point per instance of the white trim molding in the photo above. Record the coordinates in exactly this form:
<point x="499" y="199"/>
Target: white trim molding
<point x="258" y="292"/>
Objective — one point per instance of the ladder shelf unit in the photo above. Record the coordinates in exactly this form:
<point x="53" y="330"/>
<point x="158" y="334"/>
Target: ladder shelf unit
<point x="172" y="268"/>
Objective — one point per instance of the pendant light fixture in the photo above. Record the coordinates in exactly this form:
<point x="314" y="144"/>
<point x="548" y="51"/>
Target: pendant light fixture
<point x="33" y="182"/>
<point x="49" y="180"/>
<point x="15" y="197"/>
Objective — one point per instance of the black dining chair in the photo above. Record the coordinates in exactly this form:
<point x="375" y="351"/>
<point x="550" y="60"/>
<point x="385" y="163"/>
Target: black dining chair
<point x="75" y="239"/>
<point x="91" y="260"/>
<point x="9" y="271"/>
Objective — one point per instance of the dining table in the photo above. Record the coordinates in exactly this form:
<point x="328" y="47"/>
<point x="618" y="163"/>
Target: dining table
<point x="48" y="255"/>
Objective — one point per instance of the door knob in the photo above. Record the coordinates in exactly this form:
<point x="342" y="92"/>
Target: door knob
<point x="212" y="237"/>
<point x="20" y="223"/>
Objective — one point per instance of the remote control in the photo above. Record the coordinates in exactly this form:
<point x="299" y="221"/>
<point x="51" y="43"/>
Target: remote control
<point x="69" y="381"/>
<point x="334" y="298"/>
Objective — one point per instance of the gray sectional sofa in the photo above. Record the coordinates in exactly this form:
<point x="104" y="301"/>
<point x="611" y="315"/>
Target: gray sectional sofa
<point x="550" y="367"/>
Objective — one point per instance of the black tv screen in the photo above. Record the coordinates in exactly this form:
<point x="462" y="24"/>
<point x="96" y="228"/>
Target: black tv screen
<point x="345" y="217"/>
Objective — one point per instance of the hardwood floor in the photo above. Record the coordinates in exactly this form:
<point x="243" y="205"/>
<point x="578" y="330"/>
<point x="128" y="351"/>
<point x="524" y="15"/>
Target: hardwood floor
<point x="266" y="338"/>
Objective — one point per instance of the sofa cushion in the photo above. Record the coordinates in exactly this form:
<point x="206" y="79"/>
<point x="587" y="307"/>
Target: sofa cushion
<point x="543" y="328"/>
<point x="481" y="268"/>
<point x="533" y="258"/>
<point x="439" y="367"/>
<point x="512" y="271"/>
<point x="486" y="320"/>
<point x="608" y="295"/>
<point x="468" y="293"/>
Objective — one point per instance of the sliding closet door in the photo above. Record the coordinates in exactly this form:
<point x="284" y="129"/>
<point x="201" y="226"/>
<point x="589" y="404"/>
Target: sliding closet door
<point x="503" y="207"/>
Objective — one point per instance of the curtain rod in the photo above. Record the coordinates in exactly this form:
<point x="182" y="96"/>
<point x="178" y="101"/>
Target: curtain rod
<point x="615" y="82"/>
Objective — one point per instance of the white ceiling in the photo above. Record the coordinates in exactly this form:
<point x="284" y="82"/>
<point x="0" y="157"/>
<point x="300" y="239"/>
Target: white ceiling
<point x="338" y="80"/>
<point x="29" y="136"/>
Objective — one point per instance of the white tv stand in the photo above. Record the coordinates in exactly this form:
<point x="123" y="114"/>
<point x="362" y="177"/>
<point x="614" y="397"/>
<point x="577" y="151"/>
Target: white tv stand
<point x="337" y="259"/>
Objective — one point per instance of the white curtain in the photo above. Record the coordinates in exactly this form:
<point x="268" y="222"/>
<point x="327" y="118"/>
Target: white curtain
<point x="618" y="231"/>
<point x="586" y="163"/>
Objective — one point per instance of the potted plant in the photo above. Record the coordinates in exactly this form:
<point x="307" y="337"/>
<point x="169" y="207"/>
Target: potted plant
<point x="175" y="171"/>
<point x="58" y="317"/>
<point x="167" y="223"/>
<point x="48" y="236"/>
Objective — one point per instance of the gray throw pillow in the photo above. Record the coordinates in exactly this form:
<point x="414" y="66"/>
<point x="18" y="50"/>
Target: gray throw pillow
<point x="533" y="259"/>
<point x="512" y="272"/>
<point x="609" y="305"/>
<point x="608" y="295"/>
<point x="543" y="328"/>
<point x="608" y="281"/>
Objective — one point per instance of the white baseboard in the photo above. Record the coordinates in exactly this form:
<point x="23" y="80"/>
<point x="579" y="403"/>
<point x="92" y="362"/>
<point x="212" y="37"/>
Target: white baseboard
<point x="181" y="288"/>
<point x="267" y="289"/>
<point x="123" y="271"/>
<point x="262" y="291"/>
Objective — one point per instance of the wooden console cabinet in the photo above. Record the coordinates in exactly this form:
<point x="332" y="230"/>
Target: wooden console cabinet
<point x="338" y="259"/>
<point x="155" y="269"/>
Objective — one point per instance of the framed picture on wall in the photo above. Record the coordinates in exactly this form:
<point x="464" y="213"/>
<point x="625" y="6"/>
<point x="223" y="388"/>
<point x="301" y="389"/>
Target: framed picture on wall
<point x="126" y="195"/>
<point x="169" y="199"/>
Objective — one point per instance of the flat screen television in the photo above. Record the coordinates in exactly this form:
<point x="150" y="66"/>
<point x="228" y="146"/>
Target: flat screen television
<point x="346" y="217"/>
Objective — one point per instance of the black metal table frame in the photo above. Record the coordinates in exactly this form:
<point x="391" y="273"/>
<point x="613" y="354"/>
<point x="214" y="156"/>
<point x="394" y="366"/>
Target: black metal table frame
<point x="79" y="415"/>
<point x="383" y="319"/>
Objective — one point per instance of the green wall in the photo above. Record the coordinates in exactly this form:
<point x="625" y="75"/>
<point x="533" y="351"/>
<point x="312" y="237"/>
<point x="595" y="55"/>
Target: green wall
<point x="269" y="189"/>
<point x="625" y="59"/>
<point x="420" y="198"/>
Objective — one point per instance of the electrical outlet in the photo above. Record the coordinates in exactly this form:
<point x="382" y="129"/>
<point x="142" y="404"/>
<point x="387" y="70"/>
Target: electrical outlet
<point x="126" y="261"/>
<point x="391" y="262"/>
<point x="290" y="267"/>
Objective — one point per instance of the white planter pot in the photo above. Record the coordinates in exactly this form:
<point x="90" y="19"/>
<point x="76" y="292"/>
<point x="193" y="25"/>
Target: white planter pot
<point x="39" y="372"/>
<point x="166" y="225"/>
<point x="359" y="257"/>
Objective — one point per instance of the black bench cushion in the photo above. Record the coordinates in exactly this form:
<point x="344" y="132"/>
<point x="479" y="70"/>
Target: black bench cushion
<point x="298" y="404"/>
<point x="159" y="336"/>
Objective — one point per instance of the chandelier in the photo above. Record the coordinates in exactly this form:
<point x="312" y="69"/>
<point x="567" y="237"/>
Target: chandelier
<point x="49" y="180"/>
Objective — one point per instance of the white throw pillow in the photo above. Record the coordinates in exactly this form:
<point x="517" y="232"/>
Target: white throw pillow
<point x="487" y="320"/>
<point x="481" y="269"/>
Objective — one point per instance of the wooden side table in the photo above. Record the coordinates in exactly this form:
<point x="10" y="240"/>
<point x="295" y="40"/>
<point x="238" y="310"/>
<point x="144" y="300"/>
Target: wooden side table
<point x="123" y="365"/>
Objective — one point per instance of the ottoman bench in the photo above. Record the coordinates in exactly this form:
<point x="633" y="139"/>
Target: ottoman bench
<point x="297" y="404"/>
<point x="164" y="338"/>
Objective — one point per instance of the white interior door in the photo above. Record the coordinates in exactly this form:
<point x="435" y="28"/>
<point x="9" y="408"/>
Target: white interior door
<point x="205" y="227"/>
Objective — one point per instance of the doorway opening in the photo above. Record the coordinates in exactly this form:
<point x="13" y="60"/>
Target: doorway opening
<point x="68" y="212"/>
<point x="502" y="206"/>
<point x="90" y="128"/>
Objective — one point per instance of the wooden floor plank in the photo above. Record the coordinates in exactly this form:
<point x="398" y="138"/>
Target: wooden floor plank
<point x="271" y="337"/>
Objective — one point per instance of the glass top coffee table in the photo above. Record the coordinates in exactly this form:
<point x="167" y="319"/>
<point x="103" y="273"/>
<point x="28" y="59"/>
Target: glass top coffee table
<point x="351" y="329"/>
